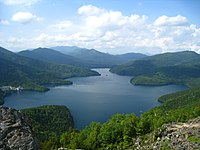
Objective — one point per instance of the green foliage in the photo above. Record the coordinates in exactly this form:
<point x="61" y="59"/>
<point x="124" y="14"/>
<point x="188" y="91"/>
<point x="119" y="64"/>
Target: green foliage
<point x="177" y="107"/>
<point x="194" y="139"/>
<point x="119" y="130"/>
<point x="168" y="68"/>
<point x="155" y="79"/>
<point x="51" y="144"/>
<point x="89" y="136"/>
<point x="49" y="122"/>
<point x="35" y="87"/>
<point x="71" y="139"/>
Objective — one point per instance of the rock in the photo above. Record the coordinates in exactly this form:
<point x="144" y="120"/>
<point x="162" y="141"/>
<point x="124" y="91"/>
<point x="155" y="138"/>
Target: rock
<point x="15" y="131"/>
<point x="181" y="136"/>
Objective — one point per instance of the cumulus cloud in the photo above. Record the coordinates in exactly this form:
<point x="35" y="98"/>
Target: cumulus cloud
<point x="19" y="2"/>
<point x="89" y="10"/>
<point x="25" y="17"/>
<point x="95" y="17"/>
<point x="112" y="31"/>
<point x="171" y="21"/>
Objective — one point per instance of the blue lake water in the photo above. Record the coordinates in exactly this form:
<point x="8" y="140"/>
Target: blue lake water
<point x="95" y="98"/>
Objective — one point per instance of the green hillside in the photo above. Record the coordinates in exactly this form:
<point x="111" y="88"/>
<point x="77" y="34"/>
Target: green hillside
<point x="173" y="59"/>
<point x="169" y="68"/>
<point x="32" y="74"/>
<point x="53" y="56"/>
<point x="49" y="121"/>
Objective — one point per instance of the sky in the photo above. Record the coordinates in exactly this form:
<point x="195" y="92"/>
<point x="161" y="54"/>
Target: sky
<point x="111" y="26"/>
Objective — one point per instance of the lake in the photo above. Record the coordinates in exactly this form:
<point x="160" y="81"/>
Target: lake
<point x="95" y="98"/>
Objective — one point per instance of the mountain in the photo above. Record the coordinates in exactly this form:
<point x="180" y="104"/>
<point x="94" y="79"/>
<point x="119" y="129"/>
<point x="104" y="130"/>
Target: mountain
<point x="98" y="59"/>
<point x="32" y="74"/>
<point x="130" y="57"/>
<point x="50" y="55"/>
<point x="168" y="68"/>
<point x="172" y="59"/>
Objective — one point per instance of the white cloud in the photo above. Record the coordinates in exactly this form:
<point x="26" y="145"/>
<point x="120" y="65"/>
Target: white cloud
<point x="19" y="2"/>
<point x="171" y="21"/>
<point x="89" y="10"/>
<point x="95" y="17"/>
<point x="4" y="22"/>
<point x="25" y="17"/>
<point x="112" y="31"/>
<point x="62" y="25"/>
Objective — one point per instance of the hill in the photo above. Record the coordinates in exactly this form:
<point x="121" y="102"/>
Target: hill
<point x="32" y="74"/>
<point x="95" y="58"/>
<point x="49" y="121"/>
<point x="168" y="68"/>
<point x="53" y="56"/>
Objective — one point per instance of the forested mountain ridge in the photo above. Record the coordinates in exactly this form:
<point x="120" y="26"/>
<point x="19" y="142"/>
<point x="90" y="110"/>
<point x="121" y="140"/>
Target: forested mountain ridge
<point x="53" y="56"/>
<point x="95" y="58"/>
<point x="168" y="68"/>
<point x="173" y="59"/>
<point x="32" y="74"/>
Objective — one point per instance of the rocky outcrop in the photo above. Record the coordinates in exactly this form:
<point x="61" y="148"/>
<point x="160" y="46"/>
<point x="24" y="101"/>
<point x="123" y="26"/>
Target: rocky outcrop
<point x="15" y="131"/>
<point x="180" y="136"/>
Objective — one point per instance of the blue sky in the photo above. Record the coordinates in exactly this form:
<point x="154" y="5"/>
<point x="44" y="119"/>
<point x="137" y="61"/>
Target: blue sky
<point x="114" y="26"/>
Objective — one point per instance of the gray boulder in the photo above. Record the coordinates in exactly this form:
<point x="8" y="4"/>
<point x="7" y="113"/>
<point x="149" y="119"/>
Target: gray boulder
<point x="15" y="131"/>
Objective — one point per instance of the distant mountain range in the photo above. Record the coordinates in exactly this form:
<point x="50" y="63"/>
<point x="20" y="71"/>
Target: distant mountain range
<point x="51" y="65"/>
<point x="94" y="59"/>
<point x="168" y="68"/>
<point x="50" y="55"/>
<point x="80" y="56"/>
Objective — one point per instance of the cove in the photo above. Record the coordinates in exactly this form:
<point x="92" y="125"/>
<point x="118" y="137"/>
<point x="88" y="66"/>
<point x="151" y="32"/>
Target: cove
<point x="95" y="98"/>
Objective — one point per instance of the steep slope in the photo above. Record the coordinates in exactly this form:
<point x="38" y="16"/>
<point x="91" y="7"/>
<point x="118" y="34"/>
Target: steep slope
<point x="17" y="70"/>
<point x="169" y="68"/>
<point x="49" y="121"/>
<point x="53" y="56"/>
<point x="98" y="59"/>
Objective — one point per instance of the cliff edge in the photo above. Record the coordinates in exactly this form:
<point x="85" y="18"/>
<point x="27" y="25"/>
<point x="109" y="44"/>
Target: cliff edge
<point x="15" y="131"/>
